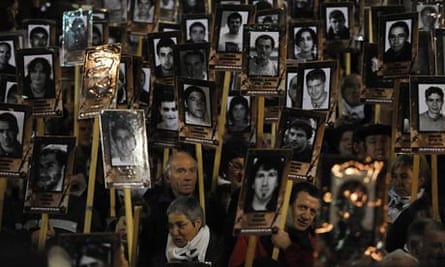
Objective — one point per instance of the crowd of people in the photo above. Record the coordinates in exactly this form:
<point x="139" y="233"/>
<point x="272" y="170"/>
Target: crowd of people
<point x="174" y="225"/>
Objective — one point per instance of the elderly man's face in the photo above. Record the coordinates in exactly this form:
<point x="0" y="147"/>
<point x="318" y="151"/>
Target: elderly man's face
<point x="434" y="102"/>
<point x="378" y="146"/>
<point x="196" y="104"/>
<point x="50" y="171"/>
<point x="397" y="38"/>
<point x="183" y="174"/>
<point x="8" y="136"/>
<point x="304" y="210"/>
<point x="265" y="183"/>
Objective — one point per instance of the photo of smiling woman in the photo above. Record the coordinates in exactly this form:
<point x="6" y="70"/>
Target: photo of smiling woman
<point x="38" y="82"/>
<point x="305" y="44"/>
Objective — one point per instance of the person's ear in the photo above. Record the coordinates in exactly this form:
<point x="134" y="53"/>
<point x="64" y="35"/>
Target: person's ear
<point x="198" y="223"/>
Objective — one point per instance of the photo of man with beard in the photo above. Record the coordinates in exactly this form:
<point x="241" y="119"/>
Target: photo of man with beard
<point x="50" y="170"/>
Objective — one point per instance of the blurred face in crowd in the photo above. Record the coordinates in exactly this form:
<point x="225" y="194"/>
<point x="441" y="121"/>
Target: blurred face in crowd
<point x="377" y="146"/>
<point x="401" y="180"/>
<point x="304" y="210"/>
<point x="193" y="66"/>
<point x="182" y="174"/>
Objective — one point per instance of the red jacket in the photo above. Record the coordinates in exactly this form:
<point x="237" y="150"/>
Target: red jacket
<point x="296" y="255"/>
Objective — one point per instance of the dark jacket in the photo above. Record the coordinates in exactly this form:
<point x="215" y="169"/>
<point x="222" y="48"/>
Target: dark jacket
<point x="403" y="55"/>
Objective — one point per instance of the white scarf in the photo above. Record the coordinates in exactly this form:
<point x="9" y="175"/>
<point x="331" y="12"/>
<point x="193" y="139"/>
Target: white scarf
<point x="195" y="250"/>
<point x="397" y="204"/>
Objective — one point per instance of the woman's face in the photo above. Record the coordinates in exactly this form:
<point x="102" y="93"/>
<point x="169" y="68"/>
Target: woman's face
<point x="38" y="77"/>
<point x="239" y="113"/>
<point x="345" y="143"/>
<point x="181" y="229"/>
<point x="306" y="43"/>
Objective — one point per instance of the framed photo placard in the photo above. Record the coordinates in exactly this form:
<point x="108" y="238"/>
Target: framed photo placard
<point x="264" y="60"/>
<point x="227" y="50"/>
<point x="15" y="149"/>
<point x="93" y="249"/>
<point x="48" y="184"/>
<point x="40" y="33"/>
<point x="197" y="111"/>
<point x="262" y="191"/>
<point x="397" y="43"/>
<point x="317" y="87"/>
<point x="427" y="120"/>
<point x="99" y="82"/>
<point x="302" y="132"/>
<point x="304" y="42"/>
<point x="124" y="148"/>
<point x="43" y="92"/>
<point x="77" y="35"/>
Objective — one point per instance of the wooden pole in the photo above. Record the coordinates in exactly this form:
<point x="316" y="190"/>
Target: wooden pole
<point x="284" y="211"/>
<point x="221" y="123"/>
<point x="434" y="188"/>
<point x="92" y="177"/>
<point x="112" y="203"/>
<point x="129" y="222"/>
<point x="260" y="121"/>
<point x="136" y="220"/>
<point x="415" y="178"/>
<point x="250" y="256"/>
<point x="3" y="186"/>
<point x="198" y="148"/>
<point x="44" y="222"/>
<point x="77" y="88"/>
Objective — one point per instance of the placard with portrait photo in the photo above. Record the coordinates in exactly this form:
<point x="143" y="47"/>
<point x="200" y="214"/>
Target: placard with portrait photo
<point x="40" y="33"/>
<point x="167" y="10"/>
<point x="338" y="26"/>
<point x="117" y="11"/>
<point x="262" y="191"/>
<point x="227" y="43"/>
<point x="402" y="143"/>
<point x="143" y="11"/>
<point x="15" y="142"/>
<point x="161" y="54"/>
<point x="92" y="249"/>
<point x="270" y="16"/>
<point x="164" y="118"/>
<point x="47" y="190"/>
<point x="39" y="84"/>
<point x="99" y="81"/>
<point x="305" y="42"/>
<point x="144" y="99"/>
<point x="303" y="9"/>
<point x="239" y="114"/>
<point x="376" y="89"/>
<point x="188" y="7"/>
<point x="8" y="89"/>
<point x="373" y="20"/>
<point x="197" y="111"/>
<point x="397" y="43"/>
<point x="9" y="44"/>
<point x="427" y="119"/>
<point x="195" y="29"/>
<point x="264" y="60"/>
<point x="77" y="35"/>
<point x="302" y="132"/>
<point x="317" y="83"/>
<point x="124" y="148"/>
<point x="100" y="32"/>
<point x="192" y="61"/>
<point x="263" y="4"/>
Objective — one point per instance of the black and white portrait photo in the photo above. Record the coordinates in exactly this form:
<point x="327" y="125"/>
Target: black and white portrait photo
<point x="196" y="30"/>
<point x="398" y="43"/>
<point x="11" y="133"/>
<point x="292" y="89"/>
<point x="264" y="182"/>
<point x="165" y="108"/>
<point x="298" y="135"/>
<point x="38" y="36"/>
<point x="431" y="113"/>
<point x="316" y="93"/>
<point x="193" y="61"/>
<point x="231" y="31"/>
<point x="338" y="23"/>
<point x="264" y="54"/>
<point x="305" y="43"/>
<point x="164" y="56"/>
<point x="301" y="8"/>
<point x="7" y="56"/>
<point x="143" y="11"/>
<point x="193" y="6"/>
<point x="39" y="77"/>
<point x="197" y="105"/>
<point x="49" y="172"/>
<point x="238" y="114"/>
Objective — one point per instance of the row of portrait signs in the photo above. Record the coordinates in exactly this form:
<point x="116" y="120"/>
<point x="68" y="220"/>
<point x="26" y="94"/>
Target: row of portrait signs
<point x="123" y="126"/>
